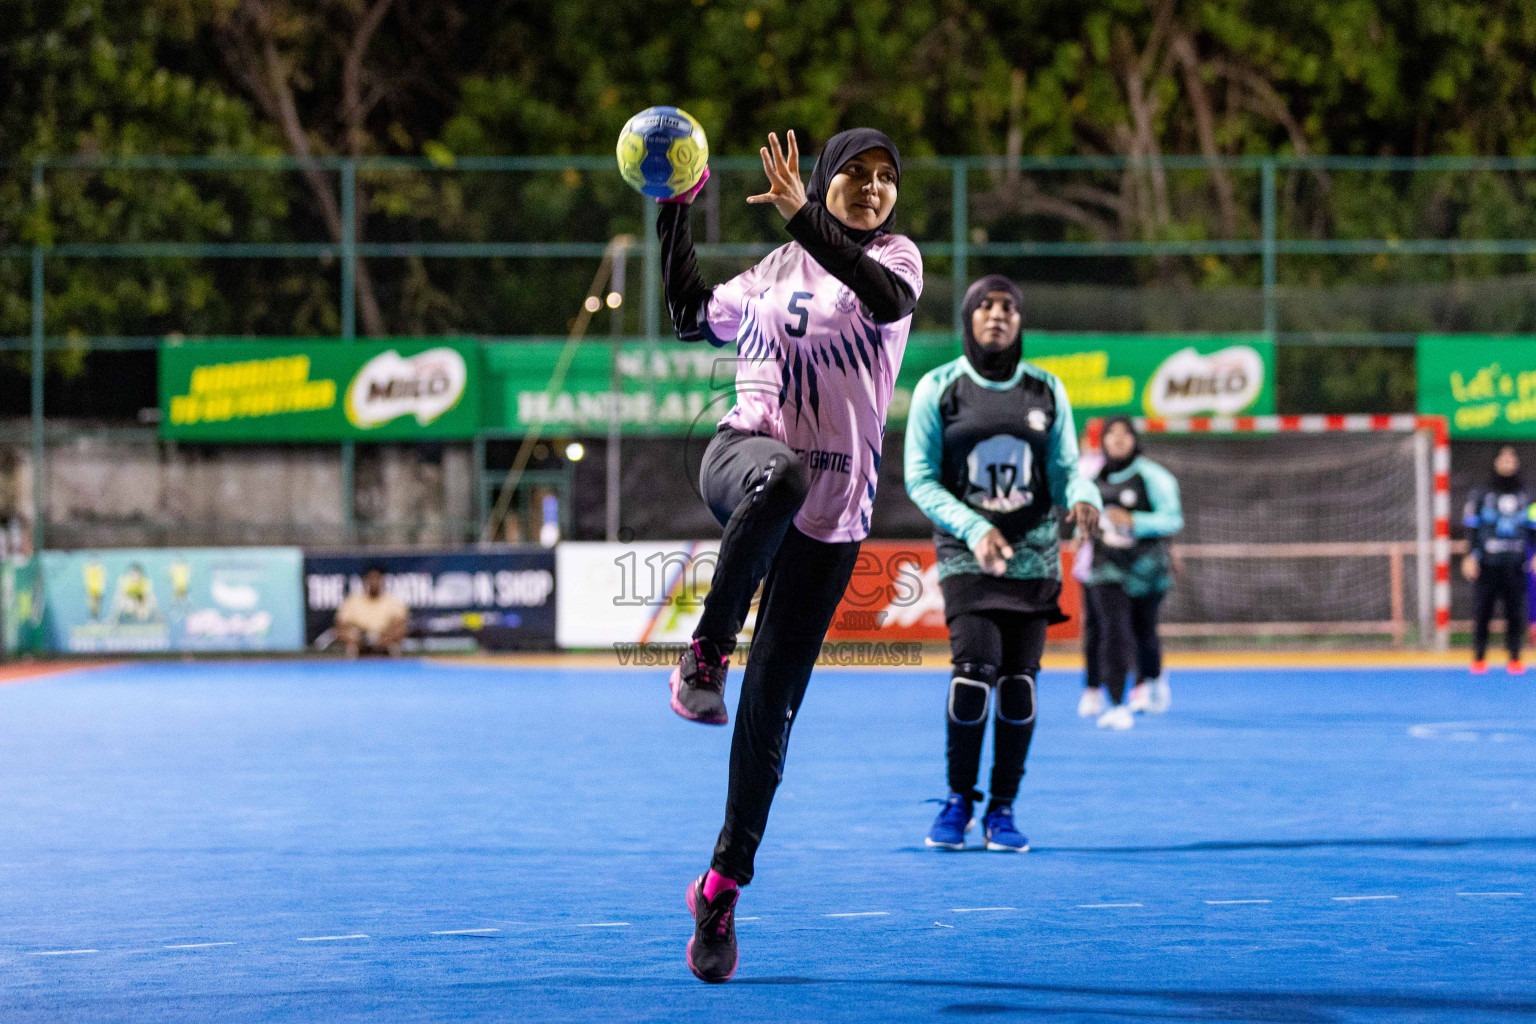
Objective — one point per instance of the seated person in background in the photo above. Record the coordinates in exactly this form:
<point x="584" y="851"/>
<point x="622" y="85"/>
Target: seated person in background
<point x="372" y="621"/>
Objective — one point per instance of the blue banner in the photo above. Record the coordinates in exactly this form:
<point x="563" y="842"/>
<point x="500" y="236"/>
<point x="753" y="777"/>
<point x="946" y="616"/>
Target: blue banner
<point x="494" y="600"/>
<point x="173" y="599"/>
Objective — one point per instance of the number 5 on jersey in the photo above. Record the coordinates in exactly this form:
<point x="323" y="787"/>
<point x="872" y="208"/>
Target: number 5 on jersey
<point x="795" y="309"/>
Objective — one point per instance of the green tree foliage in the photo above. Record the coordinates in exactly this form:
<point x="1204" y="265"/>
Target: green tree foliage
<point x="1136" y="78"/>
<point x="93" y="78"/>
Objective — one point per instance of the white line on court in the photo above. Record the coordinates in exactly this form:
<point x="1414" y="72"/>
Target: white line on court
<point x="1228" y="903"/>
<point x="605" y="924"/>
<point x="198" y="945"/>
<point x="332" y="938"/>
<point x="1102" y="906"/>
<point x="1490" y="894"/>
<point x="978" y="910"/>
<point x="63" y="952"/>
<point x="862" y="913"/>
<point x="1357" y="899"/>
<point x="469" y="931"/>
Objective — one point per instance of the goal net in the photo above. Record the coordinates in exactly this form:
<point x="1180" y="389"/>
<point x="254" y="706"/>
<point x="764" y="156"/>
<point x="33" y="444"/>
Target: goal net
<point x="1307" y="526"/>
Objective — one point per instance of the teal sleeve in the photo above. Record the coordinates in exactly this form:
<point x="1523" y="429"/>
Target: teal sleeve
<point x="924" y="459"/>
<point x="1167" y="515"/>
<point x="1068" y="485"/>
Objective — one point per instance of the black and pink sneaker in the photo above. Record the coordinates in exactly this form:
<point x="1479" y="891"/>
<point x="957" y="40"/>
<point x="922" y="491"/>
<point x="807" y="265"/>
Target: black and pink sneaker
<point x="712" y="950"/>
<point x="698" y="683"/>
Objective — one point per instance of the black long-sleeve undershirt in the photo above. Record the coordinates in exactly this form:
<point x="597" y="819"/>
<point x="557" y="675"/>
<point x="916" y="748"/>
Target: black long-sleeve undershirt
<point x="884" y="294"/>
<point x="887" y="297"/>
<point x="686" y="292"/>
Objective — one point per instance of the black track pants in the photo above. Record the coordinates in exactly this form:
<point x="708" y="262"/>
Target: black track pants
<point x="1499" y="581"/>
<point x="1000" y="644"/>
<point x="1090" y="644"/>
<point x="1149" y="647"/>
<point x="754" y="485"/>
<point x="1116" y="646"/>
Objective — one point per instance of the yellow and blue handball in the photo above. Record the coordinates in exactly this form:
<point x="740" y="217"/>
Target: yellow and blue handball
<point x="662" y="152"/>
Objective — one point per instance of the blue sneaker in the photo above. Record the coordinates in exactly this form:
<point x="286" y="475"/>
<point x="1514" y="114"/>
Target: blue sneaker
<point x="1001" y="833"/>
<point x="949" y="828"/>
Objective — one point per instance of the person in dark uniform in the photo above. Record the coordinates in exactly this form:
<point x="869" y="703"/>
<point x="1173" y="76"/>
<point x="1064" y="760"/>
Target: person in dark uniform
<point x="1131" y="572"/>
<point x="1502" y="519"/>
<point x="991" y="458"/>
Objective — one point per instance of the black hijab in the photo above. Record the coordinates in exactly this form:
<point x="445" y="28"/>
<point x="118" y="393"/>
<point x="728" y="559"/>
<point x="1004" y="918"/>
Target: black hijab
<point x="1116" y="465"/>
<point x="992" y="363"/>
<point x="841" y="148"/>
<point x="1502" y="484"/>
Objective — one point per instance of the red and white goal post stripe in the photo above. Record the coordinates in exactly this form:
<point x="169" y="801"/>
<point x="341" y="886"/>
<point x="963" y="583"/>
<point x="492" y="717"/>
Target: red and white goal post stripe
<point x="1435" y="536"/>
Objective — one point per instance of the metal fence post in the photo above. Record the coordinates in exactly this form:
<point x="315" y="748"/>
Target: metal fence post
<point x="1267" y="187"/>
<point x="652" y="271"/>
<point x="39" y="368"/>
<point x="349" y="333"/>
<point x="616" y="393"/>
<point x="39" y="469"/>
<point x="960" y="238"/>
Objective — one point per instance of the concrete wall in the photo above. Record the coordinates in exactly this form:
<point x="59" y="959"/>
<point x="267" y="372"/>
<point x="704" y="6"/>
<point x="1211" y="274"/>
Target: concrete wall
<point x="115" y="488"/>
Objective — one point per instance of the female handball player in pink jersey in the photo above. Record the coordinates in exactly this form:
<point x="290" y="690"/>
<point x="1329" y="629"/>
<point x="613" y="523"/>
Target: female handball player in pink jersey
<point x="819" y="327"/>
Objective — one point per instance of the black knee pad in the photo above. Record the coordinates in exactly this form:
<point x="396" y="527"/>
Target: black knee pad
<point x="1016" y="700"/>
<point x="969" y="690"/>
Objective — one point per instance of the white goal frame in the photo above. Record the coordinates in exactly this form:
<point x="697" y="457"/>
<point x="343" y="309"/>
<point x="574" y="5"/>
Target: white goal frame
<point x="1432" y="544"/>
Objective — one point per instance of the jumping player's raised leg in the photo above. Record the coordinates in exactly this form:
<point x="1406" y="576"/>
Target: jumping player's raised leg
<point x="754" y="486"/>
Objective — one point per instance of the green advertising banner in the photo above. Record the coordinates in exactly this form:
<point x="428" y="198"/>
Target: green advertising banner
<point x="670" y="388"/>
<point x="673" y="388"/>
<point x="319" y="390"/>
<point x="1484" y="386"/>
<point x="1150" y="375"/>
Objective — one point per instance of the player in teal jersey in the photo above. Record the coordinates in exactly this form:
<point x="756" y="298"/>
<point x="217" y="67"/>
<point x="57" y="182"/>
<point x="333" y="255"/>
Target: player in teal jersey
<point x="1131" y="572"/>
<point x="991" y="458"/>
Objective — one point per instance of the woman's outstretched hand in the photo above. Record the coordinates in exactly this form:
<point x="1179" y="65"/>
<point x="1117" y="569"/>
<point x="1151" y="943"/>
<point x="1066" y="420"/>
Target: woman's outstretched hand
<point x="785" y="191"/>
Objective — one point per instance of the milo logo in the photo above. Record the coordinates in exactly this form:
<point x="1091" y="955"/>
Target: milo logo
<point x="389" y="386"/>
<point x="1222" y="383"/>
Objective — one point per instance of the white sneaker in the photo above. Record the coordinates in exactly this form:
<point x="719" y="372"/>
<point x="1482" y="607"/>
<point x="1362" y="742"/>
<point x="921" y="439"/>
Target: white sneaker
<point x="1159" y="696"/>
<point x="1091" y="703"/>
<point x="1118" y="718"/>
<point x="1140" y="699"/>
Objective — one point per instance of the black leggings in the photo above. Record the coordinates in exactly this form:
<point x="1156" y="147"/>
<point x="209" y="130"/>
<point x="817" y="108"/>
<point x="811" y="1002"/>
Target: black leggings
<point x="1122" y="630"/>
<point x="998" y="649"/>
<point x="754" y="487"/>
<point x="1497" y="581"/>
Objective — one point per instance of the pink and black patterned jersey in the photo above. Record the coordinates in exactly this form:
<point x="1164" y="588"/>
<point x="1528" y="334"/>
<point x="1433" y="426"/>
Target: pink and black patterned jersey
<point x="814" y="371"/>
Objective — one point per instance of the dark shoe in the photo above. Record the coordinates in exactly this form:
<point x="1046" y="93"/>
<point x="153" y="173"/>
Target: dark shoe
<point x="698" y="684"/>
<point x="712" y="950"/>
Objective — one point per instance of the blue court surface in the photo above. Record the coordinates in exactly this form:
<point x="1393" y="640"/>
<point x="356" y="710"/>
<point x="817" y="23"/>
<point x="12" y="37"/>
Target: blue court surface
<point x="286" y="841"/>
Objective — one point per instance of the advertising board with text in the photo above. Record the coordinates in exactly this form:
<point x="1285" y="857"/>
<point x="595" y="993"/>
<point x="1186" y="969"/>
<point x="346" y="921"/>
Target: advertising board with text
<point x="319" y="390"/>
<point x="493" y="600"/>
<point x="674" y="389"/>
<point x="172" y="599"/>
<point x="627" y="596"/>
<point x="1484" y="386"/>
